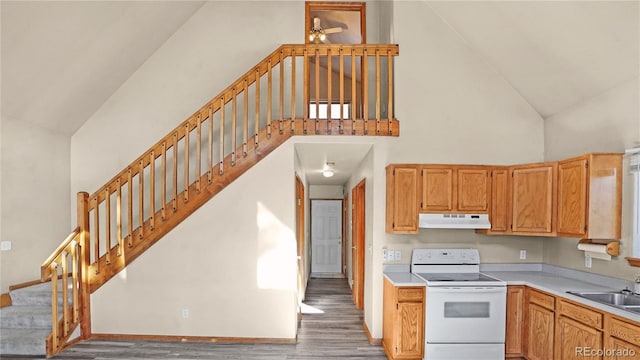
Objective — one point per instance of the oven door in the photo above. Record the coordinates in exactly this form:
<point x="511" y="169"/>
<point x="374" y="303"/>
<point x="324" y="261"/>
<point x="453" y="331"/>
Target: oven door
<point x="465" y="315"/>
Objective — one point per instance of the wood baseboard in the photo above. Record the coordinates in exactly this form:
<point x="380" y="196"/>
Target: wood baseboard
<point x="372" y="341"/>
<point x="5" y="300"/>
<point x="213" y="339"/>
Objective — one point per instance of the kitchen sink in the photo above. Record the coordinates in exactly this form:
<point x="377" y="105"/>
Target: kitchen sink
<point x="623" y="300"/>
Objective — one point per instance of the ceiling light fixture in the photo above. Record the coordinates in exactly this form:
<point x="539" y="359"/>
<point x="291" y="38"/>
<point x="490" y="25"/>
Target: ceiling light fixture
<point x="328" y="170"/>
<point x="318" y="34"/>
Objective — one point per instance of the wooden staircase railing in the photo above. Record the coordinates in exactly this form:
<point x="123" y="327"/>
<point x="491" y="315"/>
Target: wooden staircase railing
<point x="346" y="90"/>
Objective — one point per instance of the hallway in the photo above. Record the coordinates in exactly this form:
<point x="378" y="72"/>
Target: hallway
<point x="331" y="328"/>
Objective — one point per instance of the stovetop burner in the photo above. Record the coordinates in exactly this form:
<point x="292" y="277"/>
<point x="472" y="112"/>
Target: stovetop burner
<point x="457" y="277"/>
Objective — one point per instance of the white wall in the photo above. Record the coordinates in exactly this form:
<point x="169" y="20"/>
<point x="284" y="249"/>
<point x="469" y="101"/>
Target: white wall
<point x="326" y="192"/>
<point x="452" y="108"/>
<point x="199" y="265"/>
<point x="202" y="58"/>
<point x="35" y="198"/>
<point x="609" y="122"/>
<point x="232" y="264"/>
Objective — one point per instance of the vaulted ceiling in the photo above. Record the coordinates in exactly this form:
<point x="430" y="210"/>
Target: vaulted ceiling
<point x="554" y="53"/>
<point x="62" y="60"/>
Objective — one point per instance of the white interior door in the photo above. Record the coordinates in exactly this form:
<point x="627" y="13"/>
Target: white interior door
<point x="326" y="236"/>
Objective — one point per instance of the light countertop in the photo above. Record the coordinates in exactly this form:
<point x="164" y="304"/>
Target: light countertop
<point x="404" y="279"/>
<point x="559" y="285"/>
<point x="545" y="281"/>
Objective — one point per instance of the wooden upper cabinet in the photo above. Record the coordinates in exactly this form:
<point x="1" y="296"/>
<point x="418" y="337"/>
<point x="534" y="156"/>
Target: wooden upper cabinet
<point x="533" y="198"/>
<point x="437" y="189"/>
<point x="473" y="190"/>
<point x="499" y="211"/>
<point x="590" y="196"/>
<point x="402" y="199"/>
<point x="455" y="189"/>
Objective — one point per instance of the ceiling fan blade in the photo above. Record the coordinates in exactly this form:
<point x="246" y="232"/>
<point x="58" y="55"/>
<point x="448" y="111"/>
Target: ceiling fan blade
<point x="333" y="30"/>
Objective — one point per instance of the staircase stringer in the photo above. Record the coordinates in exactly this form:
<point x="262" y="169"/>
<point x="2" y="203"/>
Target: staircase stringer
<point x="184" y="209"/>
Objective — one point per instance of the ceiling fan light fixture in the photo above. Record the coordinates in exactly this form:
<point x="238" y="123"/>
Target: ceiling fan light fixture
<point x="323" y="37"/>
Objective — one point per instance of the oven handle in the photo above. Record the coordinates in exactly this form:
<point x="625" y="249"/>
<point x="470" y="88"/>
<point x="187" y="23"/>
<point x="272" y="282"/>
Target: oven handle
<point x="468" y="289"/>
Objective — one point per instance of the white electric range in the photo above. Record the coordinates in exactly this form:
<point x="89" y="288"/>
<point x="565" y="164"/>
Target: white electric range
<point x="465" y="310"/>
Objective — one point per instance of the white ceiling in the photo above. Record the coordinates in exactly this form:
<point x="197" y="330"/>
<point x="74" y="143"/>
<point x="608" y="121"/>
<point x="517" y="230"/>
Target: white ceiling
<point x="61" y="60"/>
<point x="347" y="158"/>
<point x="554" y="53"/>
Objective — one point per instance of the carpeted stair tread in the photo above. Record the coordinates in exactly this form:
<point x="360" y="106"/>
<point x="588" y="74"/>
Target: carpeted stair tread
<point x="25" y="325"/>
<point x="35" y="295"/>
<point x="25" y="317"/>
<point x="23" y="341"/>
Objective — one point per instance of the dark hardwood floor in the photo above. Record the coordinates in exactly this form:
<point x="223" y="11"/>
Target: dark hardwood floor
<point x="331" y="328"/>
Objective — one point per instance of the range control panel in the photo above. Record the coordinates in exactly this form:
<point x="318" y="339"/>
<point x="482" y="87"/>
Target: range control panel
<point x="445" y="256"/>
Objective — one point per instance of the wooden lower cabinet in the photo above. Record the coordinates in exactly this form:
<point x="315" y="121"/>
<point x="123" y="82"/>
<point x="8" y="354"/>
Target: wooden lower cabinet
<point x="575" y="340"/>
<point x="540" y="332"/>
<point x="515" y="322"/>
<point x="403" y="321"/>
<point x="622" y="350"/>
<point x="623" y="341"/>
<point x="556" y="328"/>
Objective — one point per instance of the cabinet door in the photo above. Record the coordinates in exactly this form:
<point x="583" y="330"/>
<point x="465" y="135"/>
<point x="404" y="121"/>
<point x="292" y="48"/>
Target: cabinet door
<point x="473" y="190"/>
<point x="622" y="350"/>
<point x="499" y="214"/>
<point x="532" y="210"/>
<point x="437" y="190"/>
<point x="572" y="197"/>
<point x="574" y="340"/>
<point x="540" y="333"/>
<point x="515" y="319"/>
<point x="410" y="328"/>
<point x="402" y="200"/>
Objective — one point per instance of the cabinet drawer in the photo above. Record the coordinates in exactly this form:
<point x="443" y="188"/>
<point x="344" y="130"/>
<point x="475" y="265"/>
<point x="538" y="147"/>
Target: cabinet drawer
<point x="411" y="294"/>
<point x="625" y="331"/>
<point x="544" y="300"/>
<point x="586" y="316"/>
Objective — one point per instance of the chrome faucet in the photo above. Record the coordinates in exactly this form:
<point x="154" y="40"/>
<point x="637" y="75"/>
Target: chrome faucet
<point x="636" y="286"/>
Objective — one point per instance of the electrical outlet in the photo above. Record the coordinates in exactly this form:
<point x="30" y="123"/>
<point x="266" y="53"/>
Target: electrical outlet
<point x="185" y="313"/>
<point x="5" y="245"/>
<point x="587" y="261"/>
<point x="397" y="255"/>
<point x="523" y="254"/>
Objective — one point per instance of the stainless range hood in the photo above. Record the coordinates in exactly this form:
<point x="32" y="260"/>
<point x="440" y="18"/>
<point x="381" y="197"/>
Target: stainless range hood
<point x="454" y="221"/>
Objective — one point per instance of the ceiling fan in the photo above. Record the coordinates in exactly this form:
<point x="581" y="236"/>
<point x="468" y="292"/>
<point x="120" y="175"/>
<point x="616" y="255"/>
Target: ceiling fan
<point x="317" y="33"/>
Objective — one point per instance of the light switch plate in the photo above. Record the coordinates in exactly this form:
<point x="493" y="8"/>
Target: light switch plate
<point x="5" y="245"/>
<point x="385" y="255"/>
<point x="397" y="255"/>
<point x="523" y="254"/>
<point x="587" y="261"/>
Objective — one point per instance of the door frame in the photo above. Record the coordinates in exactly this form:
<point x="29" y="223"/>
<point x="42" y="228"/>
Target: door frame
<point x="311" y="230"/>
<point x="358" y="194"/>
<point x="300" y="238"/>
<point x="345" y="232"/>
<point x="310" y="6"/>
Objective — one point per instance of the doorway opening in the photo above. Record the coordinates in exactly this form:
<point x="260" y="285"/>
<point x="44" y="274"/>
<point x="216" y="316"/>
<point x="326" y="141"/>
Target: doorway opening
<point x="357" y="242"/>
<point x="326" y="238"/>
<point x="346" y="19"/>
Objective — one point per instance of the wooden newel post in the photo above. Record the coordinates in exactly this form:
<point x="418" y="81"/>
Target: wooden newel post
<point x="85" y="261"/>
